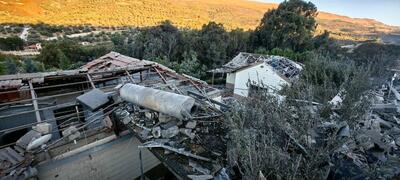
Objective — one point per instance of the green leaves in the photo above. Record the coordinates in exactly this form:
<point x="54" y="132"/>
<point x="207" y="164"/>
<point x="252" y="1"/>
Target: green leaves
<point x="290" y="26"/>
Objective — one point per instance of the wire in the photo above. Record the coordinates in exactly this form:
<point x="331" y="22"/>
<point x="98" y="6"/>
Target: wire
<point x="86" y="124"/>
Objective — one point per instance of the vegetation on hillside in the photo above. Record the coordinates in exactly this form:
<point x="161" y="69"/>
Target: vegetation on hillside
<point x="185" y="14"/>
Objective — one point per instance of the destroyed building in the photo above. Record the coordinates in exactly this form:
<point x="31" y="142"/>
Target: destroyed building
<point x="114" y="117"/>
<point x="246" y="71"/>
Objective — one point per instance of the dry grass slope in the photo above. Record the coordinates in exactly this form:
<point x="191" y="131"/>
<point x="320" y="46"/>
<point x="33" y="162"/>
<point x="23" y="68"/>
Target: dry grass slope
<point x="184" y="13"/>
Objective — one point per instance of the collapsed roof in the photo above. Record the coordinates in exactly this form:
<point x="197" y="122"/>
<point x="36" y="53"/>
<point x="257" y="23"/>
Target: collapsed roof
<point x="113" y="60"/>
<point x="281" y="65"/>
<point x="65" y="100"/>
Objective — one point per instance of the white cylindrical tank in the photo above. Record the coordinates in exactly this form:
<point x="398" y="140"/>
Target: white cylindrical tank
<point x="172" y="104"/>
<point x="38" y="142"/>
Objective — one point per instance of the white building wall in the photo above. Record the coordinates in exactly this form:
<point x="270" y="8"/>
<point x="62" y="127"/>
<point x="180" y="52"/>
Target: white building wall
<point x="257" y="74"/>
<point x="230" y="78"/>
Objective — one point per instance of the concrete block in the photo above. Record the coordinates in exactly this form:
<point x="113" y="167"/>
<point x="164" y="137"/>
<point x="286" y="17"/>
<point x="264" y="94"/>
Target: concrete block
<point x="93" y="99"/>
<point x="43" y="128"/>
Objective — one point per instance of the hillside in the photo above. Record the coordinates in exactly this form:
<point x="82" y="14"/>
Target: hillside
<point x="184" y="13"/>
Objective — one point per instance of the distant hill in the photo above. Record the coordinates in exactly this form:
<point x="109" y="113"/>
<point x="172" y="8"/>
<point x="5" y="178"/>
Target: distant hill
<point x="183" y="13"/>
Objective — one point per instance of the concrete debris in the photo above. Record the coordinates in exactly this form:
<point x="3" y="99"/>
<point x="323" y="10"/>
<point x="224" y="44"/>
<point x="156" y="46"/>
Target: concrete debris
<point x="93" y="99"/>
<point x="153" y="144"/>
<point x="170" y="132"/>
<point x="222" y="175"/>
<point x="107" y="122"/>
<point x="398" y="141"/>
<point x="30" y="173"/>
<point x="43" y="128"/>
<point x="150" y="115"/>
<point x="376" y="141"/>
<point x="24" y="141"/>
<point x="191" y="124"/>
<point x="338" y="99"/>
<point x="163" y="118"/>
<point x="199" y="168"/>
<point x="156" y="132"/>
<point x="187" y="132"/>
<point x="9" y="158"/>
<point x="72" y="133"/>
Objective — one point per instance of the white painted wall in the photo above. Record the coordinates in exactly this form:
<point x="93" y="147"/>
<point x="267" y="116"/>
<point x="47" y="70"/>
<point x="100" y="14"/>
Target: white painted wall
<point x="257" y="74"/>
<point x="230" y="78"/>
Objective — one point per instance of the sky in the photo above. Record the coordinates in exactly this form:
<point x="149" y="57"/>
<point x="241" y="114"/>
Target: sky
<point x="386" y="11"/>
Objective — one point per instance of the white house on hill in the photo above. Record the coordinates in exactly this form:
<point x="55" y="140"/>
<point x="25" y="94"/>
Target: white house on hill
<point x="248" y="70"/>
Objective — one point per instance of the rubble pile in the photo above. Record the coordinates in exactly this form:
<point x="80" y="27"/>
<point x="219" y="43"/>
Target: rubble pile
<point x="372" y="147"/>
<point x="16" y="162"/>
<point x="192" y="143"/>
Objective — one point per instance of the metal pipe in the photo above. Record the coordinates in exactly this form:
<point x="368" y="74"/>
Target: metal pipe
<point x="172" y="104"/>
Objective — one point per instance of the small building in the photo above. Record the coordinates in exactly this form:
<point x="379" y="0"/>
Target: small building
<point x="248" y="70"/>
<point x="34" y="47"/>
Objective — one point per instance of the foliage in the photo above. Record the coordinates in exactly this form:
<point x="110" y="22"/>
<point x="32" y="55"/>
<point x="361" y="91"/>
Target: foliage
<point x="191" y="65"/>
<point x="30" y="66"/>
<point x="379" y="57"/>
<point x="290" y="26"/>
<point x="11" y="66"/>
<point x="207" y="48"/>
<point x="270" y="137"/>
<point x="186" y="14"/>
<point x="11" y="43"/>
<point x="211" y="45"/>
<point x="65" y="53"/>
<point x="238" y="41"/>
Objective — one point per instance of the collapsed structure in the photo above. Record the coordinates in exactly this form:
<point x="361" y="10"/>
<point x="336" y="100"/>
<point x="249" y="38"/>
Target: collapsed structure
<point x="50" y="121"/>
<point x="371" y="149"/>
<point x="247" y="71"/>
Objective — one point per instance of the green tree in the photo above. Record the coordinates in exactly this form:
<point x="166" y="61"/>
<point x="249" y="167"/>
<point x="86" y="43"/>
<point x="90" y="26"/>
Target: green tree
<point x="158" y="41"/>
<point x="191" y="65"/>
<point x="65" y="63"/>
<point x="48" y="55"/>
<point x="290" y="26"/>
<point x="211" y="45"/>
<point x="238" y="41"/>
<point x="11" y="66"/>
<point x="11" y="43"/>
<point x="30" y="66"/>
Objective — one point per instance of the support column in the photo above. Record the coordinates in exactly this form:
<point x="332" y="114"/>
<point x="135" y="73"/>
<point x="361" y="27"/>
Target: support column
<point x="34" y="102"/>
<point x="90" y="80"/>
<point x="129" y="77"/>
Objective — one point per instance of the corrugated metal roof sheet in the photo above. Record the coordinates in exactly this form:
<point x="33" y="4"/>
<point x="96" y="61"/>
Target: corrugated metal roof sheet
<point x="115" y="59"/>
<point x="118" y="159"/>
<point x="281" y="65"/>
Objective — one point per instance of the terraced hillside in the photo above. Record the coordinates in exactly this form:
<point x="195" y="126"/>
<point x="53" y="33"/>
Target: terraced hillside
<point x="184" y="13"/>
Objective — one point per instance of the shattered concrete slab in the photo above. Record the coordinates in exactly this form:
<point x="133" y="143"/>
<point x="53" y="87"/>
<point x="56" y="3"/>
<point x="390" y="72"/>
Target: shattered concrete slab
<point x="93" y="99"/>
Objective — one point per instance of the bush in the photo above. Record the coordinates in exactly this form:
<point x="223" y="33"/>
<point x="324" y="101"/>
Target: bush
<point x="11" y="43"/>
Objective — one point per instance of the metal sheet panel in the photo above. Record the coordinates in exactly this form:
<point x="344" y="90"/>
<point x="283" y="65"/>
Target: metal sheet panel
<point x="115" y="160"/>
